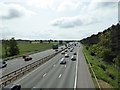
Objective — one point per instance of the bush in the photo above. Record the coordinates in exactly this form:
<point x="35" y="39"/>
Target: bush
<point x="87" y="47"/>
<point x="92" y="53"/>
<point x="110" y="75"/>
<point x="117" y="60"/>
<point x="103" y="67"/>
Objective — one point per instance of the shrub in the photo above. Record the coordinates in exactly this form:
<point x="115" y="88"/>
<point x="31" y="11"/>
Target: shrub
<point x="110" y="75"/>
<point x="103" y="67"/>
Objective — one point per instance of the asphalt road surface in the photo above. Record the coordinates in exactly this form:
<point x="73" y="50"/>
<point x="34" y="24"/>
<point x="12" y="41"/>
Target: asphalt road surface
<point x="19" y="62"/>
<point x="74" y="74"/>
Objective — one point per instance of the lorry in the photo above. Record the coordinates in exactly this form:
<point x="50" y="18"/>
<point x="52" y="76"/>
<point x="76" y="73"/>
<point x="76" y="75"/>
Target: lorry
<point x="55" y="46"/>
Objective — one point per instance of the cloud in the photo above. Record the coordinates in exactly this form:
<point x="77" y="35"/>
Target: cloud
<point x="66" y="5"/>
<point x="40" y="3"/>
<point x="71" y="22"/>
<point x="12" y="14"/>
<point x="12" y="10"/>
<point x="92" y="13"/>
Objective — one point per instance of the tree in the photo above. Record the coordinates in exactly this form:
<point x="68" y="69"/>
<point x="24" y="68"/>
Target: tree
<point x="5" y="43"/>
<point x="41" y="41"/>
<point x="13" y="48"/>
<point x="60" y="42"/>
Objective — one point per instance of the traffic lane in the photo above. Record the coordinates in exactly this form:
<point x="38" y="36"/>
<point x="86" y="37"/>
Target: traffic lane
<point x="30" y="80"/>
<point x="84" y="76"/>
<point x="53" y="78"/>
<point x="19" y="62"/>
<point x="68" y="77"/>
<point x="50" y="79"/>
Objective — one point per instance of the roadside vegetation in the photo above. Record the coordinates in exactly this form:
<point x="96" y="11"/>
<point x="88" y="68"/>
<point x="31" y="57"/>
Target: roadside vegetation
<point x="104" y="72"/>
<point x="103" y="52"/>
<point x="16" y="48"/>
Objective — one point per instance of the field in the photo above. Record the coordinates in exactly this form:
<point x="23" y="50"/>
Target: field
<point x="105" y="72"/>
<point x="31" y="47"/>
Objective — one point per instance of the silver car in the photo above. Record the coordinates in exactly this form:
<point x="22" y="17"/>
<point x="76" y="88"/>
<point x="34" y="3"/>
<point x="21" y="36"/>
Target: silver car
<point x="66" y="55"/>
<point x="73" y="58"/>
<point x="63" y="61"/>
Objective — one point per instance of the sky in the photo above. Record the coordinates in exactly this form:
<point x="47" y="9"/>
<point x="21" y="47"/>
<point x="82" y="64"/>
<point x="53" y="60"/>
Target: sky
<point x="56" y="19"/>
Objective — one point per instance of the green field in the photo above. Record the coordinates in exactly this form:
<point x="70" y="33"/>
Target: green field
<point x="103" y="71"/>
<point x="31" y="47"/>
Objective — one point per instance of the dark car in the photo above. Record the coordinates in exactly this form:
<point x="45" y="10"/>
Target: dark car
<point x="56" y="50"/>
<point x="74" y="53"/>
<point x="66" y="50"/>
<point x="27" y="58"/>
<point x="2" y="64"/>
<point x="12" y="87"/>
<point x="63" y="61"/>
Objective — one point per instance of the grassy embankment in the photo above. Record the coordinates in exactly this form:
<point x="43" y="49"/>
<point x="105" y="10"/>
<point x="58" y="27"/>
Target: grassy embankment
<point x="106" y="73"/>
<point x="27" y="48"/>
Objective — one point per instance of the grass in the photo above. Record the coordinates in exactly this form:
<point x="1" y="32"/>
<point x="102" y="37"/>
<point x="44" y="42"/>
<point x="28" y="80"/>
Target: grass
<point x="108" y="75"/>
<point x="31" y="47"/>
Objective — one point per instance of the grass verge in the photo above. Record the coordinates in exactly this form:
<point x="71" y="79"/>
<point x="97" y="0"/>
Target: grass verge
<point x="105" y="73"/>
<point x="29" y="48"/>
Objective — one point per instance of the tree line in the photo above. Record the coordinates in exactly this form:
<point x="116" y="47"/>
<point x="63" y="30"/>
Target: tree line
<point x="105" y="45"/>
<point x="10" y="47"/>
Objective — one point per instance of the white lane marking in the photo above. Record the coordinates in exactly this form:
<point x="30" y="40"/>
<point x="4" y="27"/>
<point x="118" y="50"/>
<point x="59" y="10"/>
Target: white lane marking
<point x="65" y="65"/>
<point x="44" y="74"/>
<point x="60" y="75"/>
<point x="28" y="74"/>
<point x="75" y="83"/>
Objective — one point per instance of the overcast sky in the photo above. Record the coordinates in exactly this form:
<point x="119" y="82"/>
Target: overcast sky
<point x="56" y="19"/>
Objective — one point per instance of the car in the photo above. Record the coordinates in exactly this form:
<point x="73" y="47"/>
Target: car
<point x="68" y="47"/>
<point x="27" y="58"/>
<point x="62" y="61"/>
<point x="12" y="87"/>
<point x="66" y="55"/>
<point x="3" y="64"/>
<point x="73" y="58"/>
<point x="63" y="52"/>
<point x="56" y="50"/>
<point x="71" y="49"/>
<point x="66" y="50"/>
<point x="62" y="48"/>
<point x="74" y="53"/>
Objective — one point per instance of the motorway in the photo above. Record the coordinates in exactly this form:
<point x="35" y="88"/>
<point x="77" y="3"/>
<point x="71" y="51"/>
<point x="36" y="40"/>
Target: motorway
<point x="17" y="63"/>
<point x="74" y="74"/>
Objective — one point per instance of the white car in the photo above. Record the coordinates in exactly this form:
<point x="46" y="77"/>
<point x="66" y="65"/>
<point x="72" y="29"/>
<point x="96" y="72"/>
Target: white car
<point x="73" y="58"/>
<point x="63" y="52"/>
<point x="66" y="55"/>
<point x="63" y="61"/>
